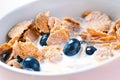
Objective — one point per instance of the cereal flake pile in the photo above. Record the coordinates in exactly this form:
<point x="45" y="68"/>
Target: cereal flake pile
<point x="99" y="30"/>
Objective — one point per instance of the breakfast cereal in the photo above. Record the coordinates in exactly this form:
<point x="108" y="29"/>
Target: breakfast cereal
<point x="50" y="44"/>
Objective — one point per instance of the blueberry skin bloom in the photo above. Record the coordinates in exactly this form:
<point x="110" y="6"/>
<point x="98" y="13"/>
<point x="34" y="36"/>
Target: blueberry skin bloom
<point x="31" y="63"/>
<point x="72" y="47"/>
<point x="90" y="50"/>
<point x="44" y="39"/>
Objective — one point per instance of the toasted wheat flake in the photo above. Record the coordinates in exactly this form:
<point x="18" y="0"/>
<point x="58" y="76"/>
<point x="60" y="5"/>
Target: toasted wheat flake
<point x="19" y="28"/>
<point x="86" y="13"/>
<point x="108" y="38"/>
<point x="58" y="37"/>
<point x="14" y="63"/>
<point x="94" y="33"/>
<point x="41" y="22"/>
<point x="98" y="21"/>
<point x="52" y="53"/>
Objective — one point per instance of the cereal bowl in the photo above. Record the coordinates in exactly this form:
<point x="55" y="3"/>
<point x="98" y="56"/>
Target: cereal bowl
<point x="105" y="70"/>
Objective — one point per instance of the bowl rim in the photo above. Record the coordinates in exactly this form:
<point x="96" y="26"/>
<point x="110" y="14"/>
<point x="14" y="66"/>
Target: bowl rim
<point x="34" y="73"/>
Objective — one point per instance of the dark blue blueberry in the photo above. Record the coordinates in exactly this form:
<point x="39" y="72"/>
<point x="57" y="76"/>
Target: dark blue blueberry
<point x="44" y="39"/>
<point x="90" y="50"/>
<point x="5" y="56"/>
<point x="72" y="47"/>
<point x="30" y="63"/>
<point x="19" y="59"/>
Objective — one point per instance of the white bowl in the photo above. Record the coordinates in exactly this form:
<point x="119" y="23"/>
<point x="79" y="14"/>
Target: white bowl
<point x="60" y="8"/>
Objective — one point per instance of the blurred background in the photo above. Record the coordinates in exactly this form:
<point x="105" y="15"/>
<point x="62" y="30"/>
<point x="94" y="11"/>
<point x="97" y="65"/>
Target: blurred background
<point x="8" y="5"/>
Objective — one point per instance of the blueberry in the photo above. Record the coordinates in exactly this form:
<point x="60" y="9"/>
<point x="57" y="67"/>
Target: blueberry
<point x="5" y="55"/>
<point x="90" y="50"/>
<point x="72" y="47"/>
<point x="30" y="63"/>
<point x="44" y="39"/>
<point x="19" y="59"/>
